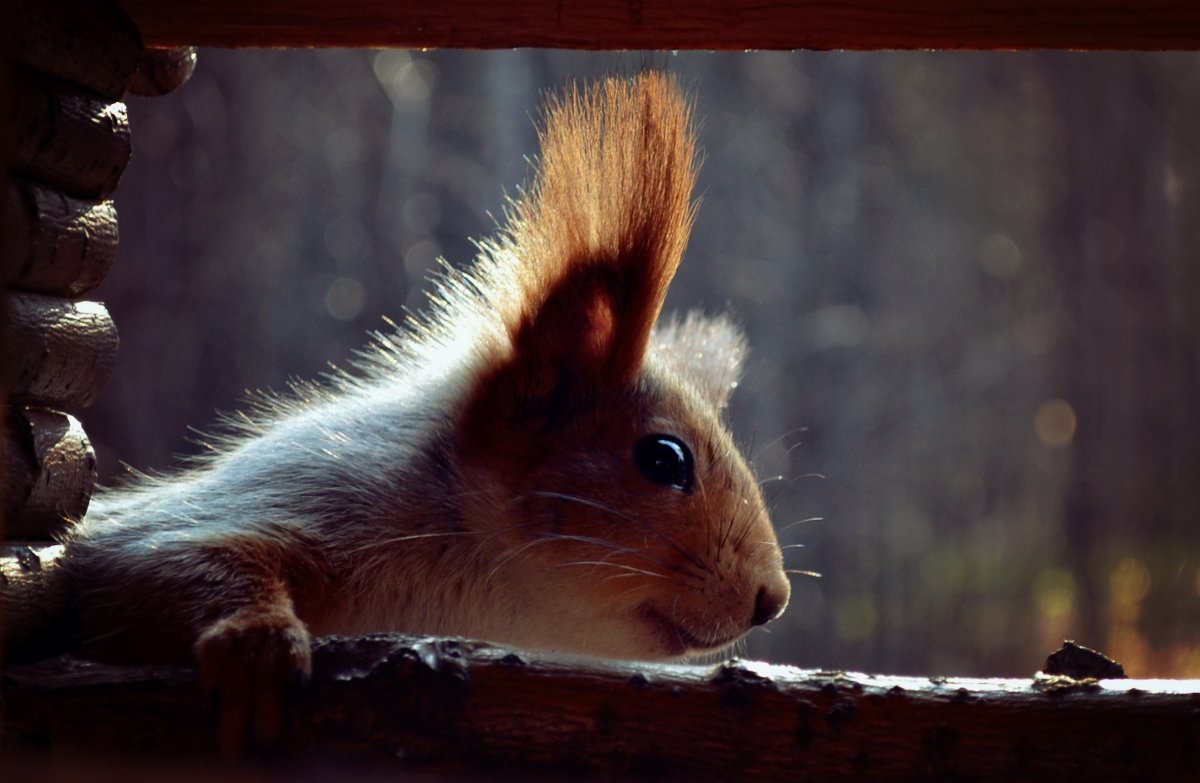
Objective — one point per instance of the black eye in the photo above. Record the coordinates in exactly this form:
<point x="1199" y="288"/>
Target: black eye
<point x="665" y="459"/>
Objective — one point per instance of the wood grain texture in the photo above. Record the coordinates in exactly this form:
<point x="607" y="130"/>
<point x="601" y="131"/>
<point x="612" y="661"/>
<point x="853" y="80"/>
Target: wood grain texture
<point x="90" y="44"/>
<point x="59" y="353"/>
<point x="430" y="701"/>
<point x="49" y="469"/>
<point x="56" y="244"/>
<point x="67" y="138"/>
<point x="674" y="24"/>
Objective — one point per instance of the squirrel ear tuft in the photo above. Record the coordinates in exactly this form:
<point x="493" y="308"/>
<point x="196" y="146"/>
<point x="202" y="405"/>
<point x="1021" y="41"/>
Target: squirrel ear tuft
<point x="579" y="276"/>
<point x="598" y="236"/>
<point x="706" y="352"/>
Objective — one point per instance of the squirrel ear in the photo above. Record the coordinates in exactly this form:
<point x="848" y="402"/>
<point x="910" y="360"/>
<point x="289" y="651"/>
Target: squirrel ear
<point x="706" y="352"/>
<point x="576" y="338"/>
<point x="595" y="241"/>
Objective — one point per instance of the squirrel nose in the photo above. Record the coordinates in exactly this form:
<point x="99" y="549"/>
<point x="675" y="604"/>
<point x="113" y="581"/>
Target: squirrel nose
<point x="768" y="604"/>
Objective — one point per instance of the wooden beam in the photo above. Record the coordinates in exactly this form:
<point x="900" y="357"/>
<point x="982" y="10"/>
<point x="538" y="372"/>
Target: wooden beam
<point x="673" y="24"/>
<point x="403" y="700"/>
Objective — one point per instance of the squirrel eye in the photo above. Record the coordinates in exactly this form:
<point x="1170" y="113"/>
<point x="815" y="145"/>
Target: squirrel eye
<point x="665" y="459"/>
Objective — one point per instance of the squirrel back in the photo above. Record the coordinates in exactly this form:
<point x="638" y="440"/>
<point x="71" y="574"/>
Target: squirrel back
<point x="528" y="462"/>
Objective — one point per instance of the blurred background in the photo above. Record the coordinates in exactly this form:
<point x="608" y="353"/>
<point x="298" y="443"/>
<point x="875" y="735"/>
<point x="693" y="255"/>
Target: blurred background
<point x="971" y="285"/>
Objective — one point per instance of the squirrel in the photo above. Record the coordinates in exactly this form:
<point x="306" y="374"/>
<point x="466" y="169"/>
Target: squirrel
<point x="530" y="461"/>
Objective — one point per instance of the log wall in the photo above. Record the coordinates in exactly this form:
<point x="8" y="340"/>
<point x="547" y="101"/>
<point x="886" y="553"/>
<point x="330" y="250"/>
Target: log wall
<point x="68" y="69"/>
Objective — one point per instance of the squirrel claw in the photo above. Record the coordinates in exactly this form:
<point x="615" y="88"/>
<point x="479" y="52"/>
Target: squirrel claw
<point x="250" y="663"/>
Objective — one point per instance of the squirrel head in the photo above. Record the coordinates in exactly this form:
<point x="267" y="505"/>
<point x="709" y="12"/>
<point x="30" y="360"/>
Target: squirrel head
<point x="624" y="519"/>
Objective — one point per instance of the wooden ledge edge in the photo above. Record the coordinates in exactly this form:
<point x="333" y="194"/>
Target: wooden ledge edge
<point x="431" y="700"/>
<point x="662" y="25"/>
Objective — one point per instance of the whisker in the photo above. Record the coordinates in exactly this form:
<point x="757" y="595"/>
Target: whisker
<point x="631" y="590"/>
<point x="484" y="541"/>
<point x="792" y="448"/>
<point x="611" y="577"/>
<point x="747" y="527"/>
<point x="631" y="569"/>
<point x="675" y="622"/>
<point x="791" y="525"/>
<point x="413" y="537"/>
<point x="509" y="555"/>
<point x="800" y="572"/>
<point x="505" y="557"/>
<point x="591" y="540"/>
<point x="758" y="452"/>
<point x="630" y="518"/>
<point x="793" y="479"/>
<point x="616" y="548"/>
<point x="585" y="502"/>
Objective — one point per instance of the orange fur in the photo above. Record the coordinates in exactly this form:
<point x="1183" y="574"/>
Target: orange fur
<point x="605" y="224"/>
<point x="599" y="236"/>
<point x="487" y="473"/>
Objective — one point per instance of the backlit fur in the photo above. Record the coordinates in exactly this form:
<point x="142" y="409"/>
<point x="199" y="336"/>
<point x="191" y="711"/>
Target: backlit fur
<point x="475" y="475"/>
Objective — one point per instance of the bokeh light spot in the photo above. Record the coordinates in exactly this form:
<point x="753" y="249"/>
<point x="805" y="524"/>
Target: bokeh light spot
<point x="1055" y="423"/>
<point x="999" y="255"/>
<point x="345" y="298"/>
<point x="855" y="618"/>
<point x="1054" y="593"/>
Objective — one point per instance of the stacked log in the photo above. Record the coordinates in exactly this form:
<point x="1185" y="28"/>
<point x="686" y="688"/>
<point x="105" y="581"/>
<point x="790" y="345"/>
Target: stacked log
<point x="70" y="66"/>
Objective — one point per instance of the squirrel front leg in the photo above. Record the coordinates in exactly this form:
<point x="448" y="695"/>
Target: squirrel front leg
<point x="254" y="651"/>
<point x="250" y="661"/>
<point x="232" y="603"/>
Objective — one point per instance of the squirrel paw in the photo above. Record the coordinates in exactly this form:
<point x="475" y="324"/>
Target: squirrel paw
<point x="250" y="662"/>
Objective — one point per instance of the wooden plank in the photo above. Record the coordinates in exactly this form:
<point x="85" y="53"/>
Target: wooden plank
<point x="55" y="244"/>
<point x="59" y="353"/>
<point x="674" y="24"/>
<point x="400" y="700"/>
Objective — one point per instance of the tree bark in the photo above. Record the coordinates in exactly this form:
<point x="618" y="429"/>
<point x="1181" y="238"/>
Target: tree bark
<point x="668" y="24"/>
<point x="440" y="702"/>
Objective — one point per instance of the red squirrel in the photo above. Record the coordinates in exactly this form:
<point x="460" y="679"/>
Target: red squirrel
<point x="529" y="462"/>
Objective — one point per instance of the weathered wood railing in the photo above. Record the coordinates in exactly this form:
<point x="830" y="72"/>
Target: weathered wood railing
<point x="447" y="705"/>
<point x="446" y="702"/>
<point x="675" y="24"/>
